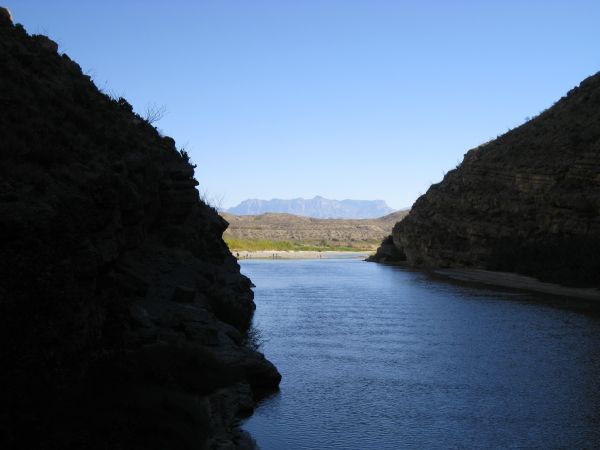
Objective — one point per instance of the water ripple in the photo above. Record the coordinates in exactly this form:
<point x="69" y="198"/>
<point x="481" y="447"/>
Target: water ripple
<point x="377" y="357"/>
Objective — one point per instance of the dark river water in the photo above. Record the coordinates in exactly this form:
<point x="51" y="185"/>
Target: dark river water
<point x="380" y="357"/>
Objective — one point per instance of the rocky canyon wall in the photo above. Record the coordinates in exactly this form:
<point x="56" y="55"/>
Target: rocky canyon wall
<point x="526" y="202"/>
<point x="123" y="316"/>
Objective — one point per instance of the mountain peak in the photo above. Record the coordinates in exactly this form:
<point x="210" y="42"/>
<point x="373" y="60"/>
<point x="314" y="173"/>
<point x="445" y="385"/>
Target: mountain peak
<point x="317" y="207"/>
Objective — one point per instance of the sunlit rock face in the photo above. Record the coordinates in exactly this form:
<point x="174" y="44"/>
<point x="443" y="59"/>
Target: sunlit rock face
<point x="123" y="315"/>
<point x="5" y="15"/>
<point x="528" y="201"/>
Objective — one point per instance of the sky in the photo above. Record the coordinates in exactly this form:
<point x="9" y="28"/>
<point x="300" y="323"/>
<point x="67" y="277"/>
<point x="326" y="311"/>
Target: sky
<point x="359" y="99"/>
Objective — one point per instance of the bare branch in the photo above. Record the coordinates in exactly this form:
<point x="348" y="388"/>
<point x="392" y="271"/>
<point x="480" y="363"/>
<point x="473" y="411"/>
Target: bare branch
<point x="214" y="201"/>
<point x="154" y="113"/>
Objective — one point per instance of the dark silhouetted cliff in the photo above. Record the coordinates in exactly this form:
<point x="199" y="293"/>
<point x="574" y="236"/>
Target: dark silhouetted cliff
<point x="123" y="316"/>
<point x="526" y="202"/>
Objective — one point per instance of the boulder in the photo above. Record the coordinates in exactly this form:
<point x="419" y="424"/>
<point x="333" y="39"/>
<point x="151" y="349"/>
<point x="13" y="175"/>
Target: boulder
<point x="5" y="16"/>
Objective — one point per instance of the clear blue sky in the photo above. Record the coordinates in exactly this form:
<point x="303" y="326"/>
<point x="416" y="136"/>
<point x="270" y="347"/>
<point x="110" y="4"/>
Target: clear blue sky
<point x="345" y="99"/>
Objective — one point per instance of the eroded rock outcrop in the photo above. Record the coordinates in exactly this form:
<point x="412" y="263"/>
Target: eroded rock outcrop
<point x="123" y="316"/>
<point x="387" y="252"/>
<point x="526" y="202"/>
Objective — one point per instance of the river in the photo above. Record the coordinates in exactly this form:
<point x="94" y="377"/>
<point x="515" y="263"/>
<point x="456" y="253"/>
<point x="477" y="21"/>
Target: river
<point x="381" y="357"/>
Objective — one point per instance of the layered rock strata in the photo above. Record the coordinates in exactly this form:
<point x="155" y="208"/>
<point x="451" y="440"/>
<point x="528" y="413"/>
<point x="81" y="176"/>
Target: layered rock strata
<point x="123" y="316"/>
<point x="526" y="202"/>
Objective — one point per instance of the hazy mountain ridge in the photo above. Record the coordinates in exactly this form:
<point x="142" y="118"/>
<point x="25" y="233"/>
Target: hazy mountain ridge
<point x="526" y="202"/>
<point x="317" y="207"/>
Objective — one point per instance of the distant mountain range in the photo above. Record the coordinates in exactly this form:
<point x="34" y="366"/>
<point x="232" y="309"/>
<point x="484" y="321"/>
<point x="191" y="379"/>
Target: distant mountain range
<point x="317" y="207"/>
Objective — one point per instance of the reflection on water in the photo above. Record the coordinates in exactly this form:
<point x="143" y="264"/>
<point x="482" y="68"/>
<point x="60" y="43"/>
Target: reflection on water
<point x="379" y="357"/>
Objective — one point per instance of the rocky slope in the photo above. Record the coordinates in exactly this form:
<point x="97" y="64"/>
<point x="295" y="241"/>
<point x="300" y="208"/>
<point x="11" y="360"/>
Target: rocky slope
<point x="317" y="207"/>
<point x="526" y="202"/>
<point x="363" y="233"/>
<point x="123" y="316"/>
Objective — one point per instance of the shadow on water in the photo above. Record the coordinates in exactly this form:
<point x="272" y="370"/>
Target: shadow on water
<point x="585" y="306"/>
<point x="381" y="357"/>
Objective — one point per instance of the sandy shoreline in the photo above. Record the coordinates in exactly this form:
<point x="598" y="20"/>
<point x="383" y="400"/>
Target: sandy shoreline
<point x="487" y="277"/>
<point x="516" y="281"/>
<point x="299" y="255"/>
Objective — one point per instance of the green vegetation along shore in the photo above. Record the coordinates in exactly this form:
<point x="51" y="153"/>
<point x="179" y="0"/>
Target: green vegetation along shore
<point x="287" y="232"/>
<point x="254" y="245"/>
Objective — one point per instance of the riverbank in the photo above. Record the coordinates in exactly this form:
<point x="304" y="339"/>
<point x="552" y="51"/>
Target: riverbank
<point x="287" y="232"/>
<point x="272" y="254"/>
<point x="516" y="281"/>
